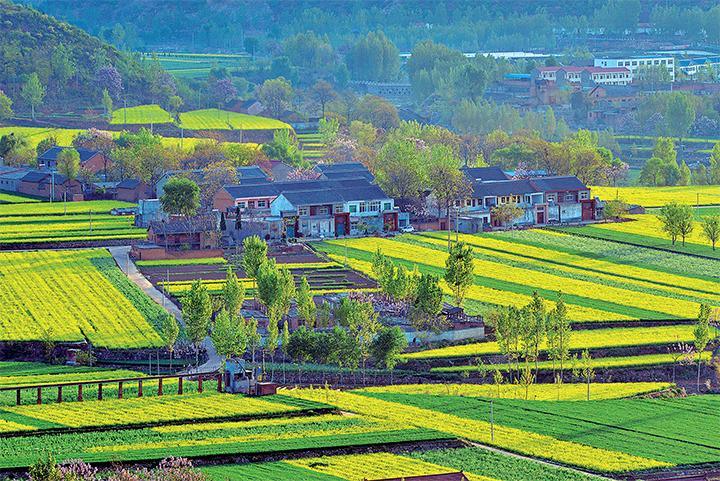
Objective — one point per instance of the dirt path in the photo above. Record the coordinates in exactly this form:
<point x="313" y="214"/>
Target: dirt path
<point x="121" y="254"/>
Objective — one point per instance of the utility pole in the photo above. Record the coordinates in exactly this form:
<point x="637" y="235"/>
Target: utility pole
<point x="91" y="221"/>
<point x="492" y="422"/>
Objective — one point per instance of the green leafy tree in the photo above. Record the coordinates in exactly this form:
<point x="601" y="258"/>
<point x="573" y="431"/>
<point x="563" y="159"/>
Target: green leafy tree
<point x="233" y="293"/>
<point x="701" y="335"/>
<point x="387" y="346"/>
<point x="714" y="172"/>
<point x="536" y="327"/>
<point x="585" y="370"/>
<point x="196" y="314"/>
<point x="677" y="221"/>
<point x="665" y="150"/>
<point x="559" y="334"/>
<point x="33" y="92"/>
<point x="176" y="102"/>
<point x="363" y="324"/>
<point x="653" y="172"/>
<point x="300" y="347"/>
<point x="427" y="304"/>
<point x="506" y="213"/>
<point x="711" y="228"/>
<point x="322" y="93"/>
<point x="227" y="335"/>
<point x="254" y="254"/>
<point x="253" y="337"/>
<point x="284" y="344"/>
<point x="275" y="94"/>
<point x="68" y="163"/>
<point x="459" y="270"/>
<point x="271" y="340"/>
<point x="181" y="196"/>
<point x="305" y="304"/>
<point x="169" y="331"/>
<point x="685" y="174"/>
<point x="46" y="144"/>
<point x="6" y="110"/>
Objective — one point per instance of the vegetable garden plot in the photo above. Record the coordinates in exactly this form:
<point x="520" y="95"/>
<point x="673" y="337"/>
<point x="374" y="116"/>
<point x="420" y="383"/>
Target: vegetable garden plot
<point x="659" y="196"/>
<point x="71" y="295"/>
<point x="75" y="227"/>
<point x="215" y="119"/>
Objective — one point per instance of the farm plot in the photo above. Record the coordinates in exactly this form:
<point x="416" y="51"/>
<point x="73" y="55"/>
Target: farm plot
<point x="141" y="115"/>
<point x="659" y="196"/>
<point x="518" y="440"/>
<point x="502" y="282"/>
<point x="672" y="432"/>
<point x="195" y="440"/>
<point x="62" y="208"/>
<point x="69" y="228"/>
<point x="646" y="230"/>
<point x="73" y="295"/>
<point x="216" y="119"/>
<point x="477" y="463"/>
<point x="12" y="198"/>
<point x="585" y="339"/>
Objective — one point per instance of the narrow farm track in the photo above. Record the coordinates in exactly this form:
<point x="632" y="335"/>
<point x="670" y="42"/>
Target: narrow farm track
<point x="121" y="254"/>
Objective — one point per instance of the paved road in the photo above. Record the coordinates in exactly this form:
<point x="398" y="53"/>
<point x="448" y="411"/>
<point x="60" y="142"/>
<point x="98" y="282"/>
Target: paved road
<point x="121" y="254"/>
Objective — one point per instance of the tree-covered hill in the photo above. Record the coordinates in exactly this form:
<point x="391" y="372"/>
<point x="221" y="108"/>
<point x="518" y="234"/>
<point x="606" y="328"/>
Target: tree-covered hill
<point x="73" y="68"/>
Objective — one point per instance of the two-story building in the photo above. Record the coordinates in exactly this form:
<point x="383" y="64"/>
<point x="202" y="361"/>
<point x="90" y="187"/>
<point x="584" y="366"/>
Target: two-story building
<point x="543" y="200"/>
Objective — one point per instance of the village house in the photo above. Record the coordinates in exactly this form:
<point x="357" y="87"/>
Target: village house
<point x="585" y="75"/>
<point x="195" y="233"/>
<point x="543" y="200"/>
<point x="49" y="185"/>
<point x="10" y="178"/>
<point x="250" y="174"/>
<point x="132" y="190"/>
<point x="347" y="170"/>
<point x="90" y="160"/>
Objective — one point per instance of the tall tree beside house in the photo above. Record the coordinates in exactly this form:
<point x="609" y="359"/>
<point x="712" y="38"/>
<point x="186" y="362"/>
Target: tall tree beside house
<point x="701" y="335"/>
<point x="196" y="314"/>
<point x="6" y="110"/>
<point x="46" y="144"/>
<point x="254" y="254"/>
<point x="506" y="213"/>
<point x="305" y="304"/>
<point x="169" y="331"/>
<point x="459" y="270"/>
<point x="447" y="182"/>
<point x="711" y="228"/>
<point x="228" y="336"/>
<point x="68" y="163"/>
<point x="107" y="103"/>
<point x="233" y="293"/>
<point x="33" y="92"/>
<point x="181" y="196"/>
<point x="427" y="304"/>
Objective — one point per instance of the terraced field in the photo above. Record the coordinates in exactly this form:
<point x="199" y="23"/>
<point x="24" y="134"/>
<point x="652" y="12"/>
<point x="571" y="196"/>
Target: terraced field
<point x="215" y="119"/>
<point x="141" y="115"/>
<point x="89" y="298"/>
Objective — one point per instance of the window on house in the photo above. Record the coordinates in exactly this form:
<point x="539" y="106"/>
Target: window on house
<point x="262" y="203"/>
<point x="241" y="204"/>
<point x="584" y="195"/>
<point x="569" y="197"/>
<point x="303" y="211"/>
<point x="374" y="206"/>
<point x="363" y="207"/>
<point x="323" y="210"/>
<point x="338" y="208"/>
<point x="352" y="208"/>
<point x="251" y="204"/>
<point x="387" y="206"/>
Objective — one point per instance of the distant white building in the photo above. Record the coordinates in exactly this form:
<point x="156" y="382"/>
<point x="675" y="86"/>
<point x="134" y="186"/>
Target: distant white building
<point x="575" y="74"/>
<point x="633" y="63"/>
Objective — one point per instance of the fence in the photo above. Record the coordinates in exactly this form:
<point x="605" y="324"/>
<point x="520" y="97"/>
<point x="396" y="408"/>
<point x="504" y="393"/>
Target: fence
<point x="199" y="378"/>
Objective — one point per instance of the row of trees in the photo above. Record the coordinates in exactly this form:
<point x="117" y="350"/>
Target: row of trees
<point x="678" y="221"/>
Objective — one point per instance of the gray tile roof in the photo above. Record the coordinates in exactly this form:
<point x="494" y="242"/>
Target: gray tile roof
<point x="569" y="182"/>
<point x="503" y="188"/>
<point x="52" y="154"/>
<point x="484" y="173"/>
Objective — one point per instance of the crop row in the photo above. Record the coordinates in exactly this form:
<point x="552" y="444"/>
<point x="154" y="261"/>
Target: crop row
<point x="539" y="392"/>
<point x="583" y="339"/>
<point x="532" y="444"/>
<point x="575" y="266"/>
<point x="651" y="429"/>
<point x="659" y="196"/>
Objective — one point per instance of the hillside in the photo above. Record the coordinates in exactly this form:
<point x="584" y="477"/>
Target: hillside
<point x="66" y="59"/>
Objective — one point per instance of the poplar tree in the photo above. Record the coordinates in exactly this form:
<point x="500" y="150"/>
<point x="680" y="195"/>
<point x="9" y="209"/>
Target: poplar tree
<point x="459" y="270"/>
<point x="196" y="313"/>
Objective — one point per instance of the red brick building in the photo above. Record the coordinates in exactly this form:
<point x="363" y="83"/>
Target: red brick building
<point x="133" y="190"/>
<point x="90" y="160"/>
<point x="50" y="185"/>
